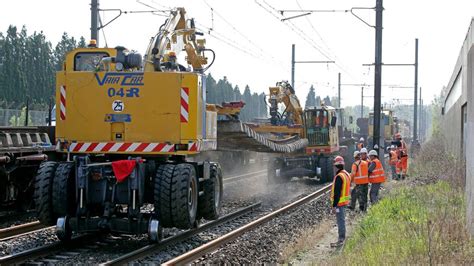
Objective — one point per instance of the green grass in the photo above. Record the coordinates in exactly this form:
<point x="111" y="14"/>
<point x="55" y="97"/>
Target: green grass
<point x="422" y="225"/>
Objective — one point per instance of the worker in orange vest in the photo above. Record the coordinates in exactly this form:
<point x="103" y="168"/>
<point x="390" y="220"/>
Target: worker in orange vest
<point x="402" y="150"/>
<point x="360" y="145"/>
<point x="359" y="177"/>
<point x="363" y="155"/>
<point x="340" y="198"/>
<point x="376" y="176"/>
<point x="321" y="119"/>
<point x="393" y="161"/>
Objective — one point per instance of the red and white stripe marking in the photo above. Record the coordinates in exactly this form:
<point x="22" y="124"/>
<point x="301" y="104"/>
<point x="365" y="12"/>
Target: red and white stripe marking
<point x="120" y="147"/>
<point x="62" y="103"/>
<point x="184" y="105"/>
<point x="194" y="146"/>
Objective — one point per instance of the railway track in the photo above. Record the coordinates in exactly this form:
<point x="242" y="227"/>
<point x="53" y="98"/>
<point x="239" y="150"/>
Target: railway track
<point x="213" y="245"/>
<point x="23" y="229"/>
<point x="81" y="241"/>
<point x="20" y="230"/>
<point x="56" y="252"/>
<point x="232" y="179"/>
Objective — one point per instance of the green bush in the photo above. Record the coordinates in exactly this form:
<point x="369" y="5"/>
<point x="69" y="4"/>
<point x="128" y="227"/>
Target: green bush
<point x="422" y="225"/>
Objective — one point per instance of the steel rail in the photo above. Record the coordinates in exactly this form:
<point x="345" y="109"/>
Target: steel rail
<point x="211" y="246"/>
<point x="19" y="230"/>
<point x="231" y="181"/>
<point x="42" y="251"/>
<point x="242" y="175"/>
<point x="153" y="248"/>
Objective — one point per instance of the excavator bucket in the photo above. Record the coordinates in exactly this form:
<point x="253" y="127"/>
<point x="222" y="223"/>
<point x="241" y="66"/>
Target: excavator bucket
<point x="237" y="136"/>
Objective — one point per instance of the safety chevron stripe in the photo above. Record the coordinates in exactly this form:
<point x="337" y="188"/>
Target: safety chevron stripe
<point x="120" y="147"/>
<point x="203" y="145"/>
<point x="184" y="105"/>
<point x="195" y="146"/>
<point x="62" y="103"/>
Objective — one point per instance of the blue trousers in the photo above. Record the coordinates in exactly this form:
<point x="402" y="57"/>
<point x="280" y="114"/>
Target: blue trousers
<point x="341" y="222"/>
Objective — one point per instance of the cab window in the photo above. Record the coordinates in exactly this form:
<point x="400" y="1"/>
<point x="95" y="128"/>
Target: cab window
<point x="88" y="61"/>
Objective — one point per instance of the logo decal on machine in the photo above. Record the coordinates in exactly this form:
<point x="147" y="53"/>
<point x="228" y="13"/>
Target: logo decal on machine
<point x="62" y="103"/>
<point x="122" y="79"/>
<point x="184" y="105"/>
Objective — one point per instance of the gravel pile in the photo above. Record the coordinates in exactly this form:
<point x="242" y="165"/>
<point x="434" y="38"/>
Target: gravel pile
<point x="15" y="245"/>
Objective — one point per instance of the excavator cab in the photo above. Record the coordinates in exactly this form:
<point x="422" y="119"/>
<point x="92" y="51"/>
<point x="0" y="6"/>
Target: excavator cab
<point x="320" y="126"/>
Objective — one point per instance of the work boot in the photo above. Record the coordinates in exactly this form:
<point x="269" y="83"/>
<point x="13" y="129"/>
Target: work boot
<point x="339" y="243"/>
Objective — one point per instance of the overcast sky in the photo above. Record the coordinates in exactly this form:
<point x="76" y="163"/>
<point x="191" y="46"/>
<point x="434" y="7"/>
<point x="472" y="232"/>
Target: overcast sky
<point x="254" y="47"/>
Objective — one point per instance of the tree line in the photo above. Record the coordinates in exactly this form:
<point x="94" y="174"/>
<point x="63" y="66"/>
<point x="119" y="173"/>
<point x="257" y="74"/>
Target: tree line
<point x="28" y="63"/>
<point x="223" y="91"/>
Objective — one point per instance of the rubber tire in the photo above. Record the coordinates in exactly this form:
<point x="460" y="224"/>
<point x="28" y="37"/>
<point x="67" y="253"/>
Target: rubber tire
<point x="207" y="206"/>
<point x="183" y="216"/>
<point x="327" y="171"/>
<point x="43" y="193"/>
<point x="63" y="192"/>
<point x="162" y="193"/>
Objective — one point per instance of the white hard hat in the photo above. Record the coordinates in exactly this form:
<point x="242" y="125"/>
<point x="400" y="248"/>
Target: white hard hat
<point x="363" y="150"/>
<point x="373" y="153"/>
<point x="356" y="153"/>
<point x="392" y="147"/>
<point x="361" y="139"/>
<point x="339" y="160"/>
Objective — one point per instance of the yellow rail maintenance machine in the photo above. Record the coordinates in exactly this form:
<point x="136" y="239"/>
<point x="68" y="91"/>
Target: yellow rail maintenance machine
<point x="125" y="126"/>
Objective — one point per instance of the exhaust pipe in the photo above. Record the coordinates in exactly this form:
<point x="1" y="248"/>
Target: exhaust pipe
<point x="36" y="157"/>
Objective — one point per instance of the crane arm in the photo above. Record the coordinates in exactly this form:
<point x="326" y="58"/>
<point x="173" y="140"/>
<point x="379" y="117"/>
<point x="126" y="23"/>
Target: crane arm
<point x="284" y="93"/>
<point x="177" y="34"/>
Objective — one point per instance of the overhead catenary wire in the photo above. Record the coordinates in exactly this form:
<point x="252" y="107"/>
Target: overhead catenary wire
<point x="337" y="59"/>
<point x="292" y="26"/>
<point x="212" y="33"/>
<point x="295" y="28"/>
<point x="224" y="38"/>
<point x="103" y="31"/>
<point x="233" y="27"/>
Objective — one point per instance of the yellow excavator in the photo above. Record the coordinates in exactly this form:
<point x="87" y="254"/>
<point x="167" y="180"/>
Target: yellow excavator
<point x="316" y="126"/>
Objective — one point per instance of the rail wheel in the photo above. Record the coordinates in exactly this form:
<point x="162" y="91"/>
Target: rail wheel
<point x="43" y="193"/>
<point x="209" y="204"/>
<point x="63" y="230"/>
<point x="184" y="196"/>
<point x="63" y="196"/>
<point x="327" y="170"/>
<point x="155" y="231"/>
<point x="274" y="171"/>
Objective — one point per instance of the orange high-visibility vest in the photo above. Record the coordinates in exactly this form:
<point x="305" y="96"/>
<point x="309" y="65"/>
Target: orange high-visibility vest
<point x="346" y="188"/>
<point x="393" y="158"/>
<point x="360" y="172"/>
<point x="360" y="146"/>
<point x="378" y="175"/>
<point x="403" y="150"/>
<point x="324" y="122"/>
